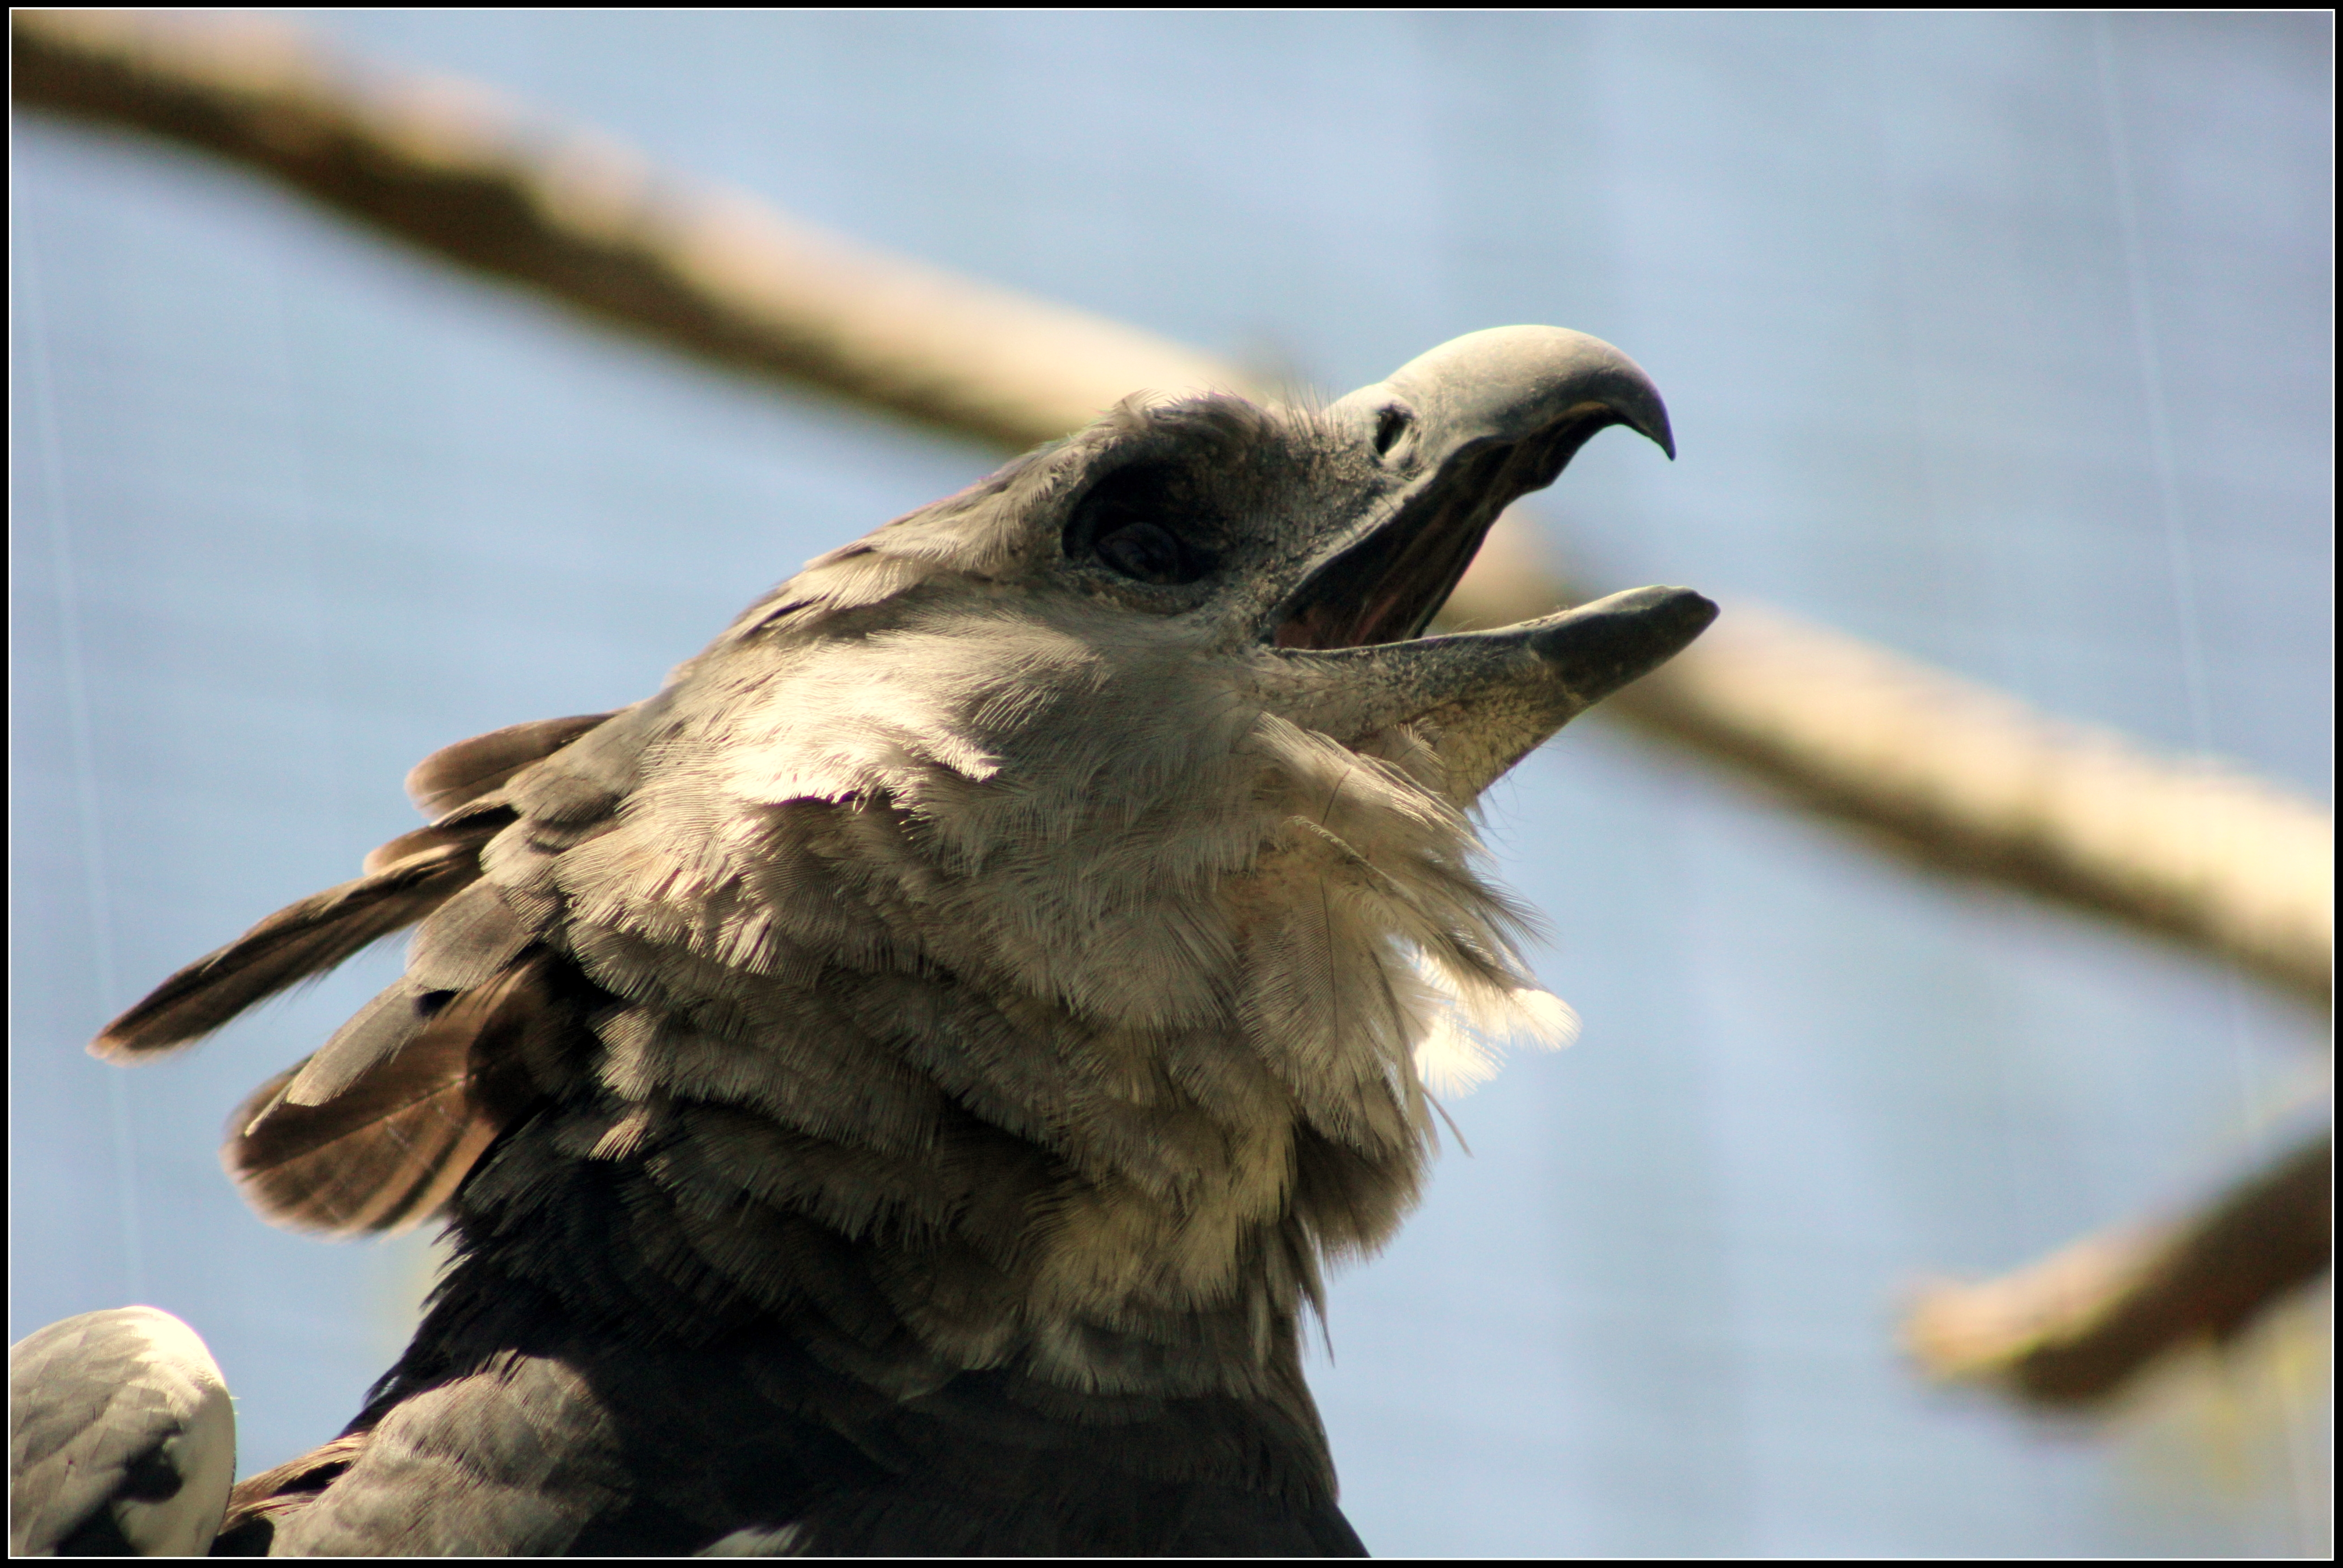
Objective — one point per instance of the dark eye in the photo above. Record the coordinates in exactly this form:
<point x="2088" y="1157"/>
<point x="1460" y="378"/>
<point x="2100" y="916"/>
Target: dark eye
<point x="1142" y="523"/>
<point x="1148" y="553"/>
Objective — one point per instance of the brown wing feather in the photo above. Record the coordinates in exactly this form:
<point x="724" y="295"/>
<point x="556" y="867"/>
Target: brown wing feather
<point x="257" y="1502"/>
<point x="372" y="1035"/>
<point x="298" y="941"/>
<point x="463" y="772"/>
<point x="392" y="1147"/>
<point x="462" y="829"/>
<point x="376" y="1129"/>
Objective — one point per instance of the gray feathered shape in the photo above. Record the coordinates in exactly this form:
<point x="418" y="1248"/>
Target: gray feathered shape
<point x="895" y="1089"/>
<point x="121" y="1438"/>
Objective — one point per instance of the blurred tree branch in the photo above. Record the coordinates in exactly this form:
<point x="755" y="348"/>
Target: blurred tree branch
<point x="1967" y="779"/>
<point x="2072" y="1328"/>
<point x="458" y="169"/>
<point x="1938" y="771"/>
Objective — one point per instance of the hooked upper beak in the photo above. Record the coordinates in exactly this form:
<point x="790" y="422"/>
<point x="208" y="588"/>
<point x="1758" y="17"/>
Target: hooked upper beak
<point x="1460" y="432"/>
<point x="1458" y="435"/>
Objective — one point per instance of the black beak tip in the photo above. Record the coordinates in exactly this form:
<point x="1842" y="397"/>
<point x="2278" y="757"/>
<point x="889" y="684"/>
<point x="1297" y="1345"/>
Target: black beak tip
<point x="1599" y="647"/>
<point x="1678" y="609"/>
<point x="1650" y="422"/>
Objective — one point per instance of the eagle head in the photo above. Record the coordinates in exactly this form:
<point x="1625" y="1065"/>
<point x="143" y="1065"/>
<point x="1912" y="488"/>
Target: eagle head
<point x="1298" y="554"/>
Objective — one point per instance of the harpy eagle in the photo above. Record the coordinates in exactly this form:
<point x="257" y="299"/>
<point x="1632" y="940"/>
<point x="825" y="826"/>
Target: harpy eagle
<point x="894" y="1090"/>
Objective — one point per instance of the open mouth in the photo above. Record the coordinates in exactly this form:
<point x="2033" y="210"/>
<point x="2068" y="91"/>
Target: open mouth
<point x="1387" y="587"/>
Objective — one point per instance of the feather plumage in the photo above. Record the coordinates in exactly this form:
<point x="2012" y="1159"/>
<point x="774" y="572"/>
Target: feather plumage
<point x="386" y="1147"/>
<point x="121" y="1438"/>
<point x="457" y="774"/>
<point x="896" y="1088"/>
<point x="303" y="939"/>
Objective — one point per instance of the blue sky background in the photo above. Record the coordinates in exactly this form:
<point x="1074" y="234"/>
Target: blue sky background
<point x="2002" y="339"/>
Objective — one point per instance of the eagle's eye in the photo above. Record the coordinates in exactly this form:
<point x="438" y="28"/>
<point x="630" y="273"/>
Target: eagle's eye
<point x="1146" y="552"/>
<point x="1131" y="524"/>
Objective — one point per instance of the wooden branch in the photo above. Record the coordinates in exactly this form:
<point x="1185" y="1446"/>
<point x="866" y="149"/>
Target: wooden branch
<point x="1966" y="780"/>
<point x="460" y="170"/>
<point x="1940" y="771"/>
<point x="2073" y="1328"/>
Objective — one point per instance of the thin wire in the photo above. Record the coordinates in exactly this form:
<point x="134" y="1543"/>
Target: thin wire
<point x="34" y="341"/>
<point x="1990" y="599"/>
<point x="1988" y="589"/>
<point x="2179" y="563"/>
<point x="2180" y="567"/>
<point x="2178" y="560"/>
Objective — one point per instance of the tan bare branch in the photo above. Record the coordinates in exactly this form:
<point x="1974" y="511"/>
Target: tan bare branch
<point x="462" y="170"/>
<point x="2071" y="1330"/>
<point x="1967" y="779"/>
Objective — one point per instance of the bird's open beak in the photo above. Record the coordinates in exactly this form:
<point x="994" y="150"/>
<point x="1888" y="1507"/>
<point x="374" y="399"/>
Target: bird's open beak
<point x="1460" y="433"/>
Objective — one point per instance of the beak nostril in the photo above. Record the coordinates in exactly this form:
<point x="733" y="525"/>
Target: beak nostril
<point x="1391" y="424"/>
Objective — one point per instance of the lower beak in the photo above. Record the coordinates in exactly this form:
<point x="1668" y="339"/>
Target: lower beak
<point x="1488" y="699"/>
